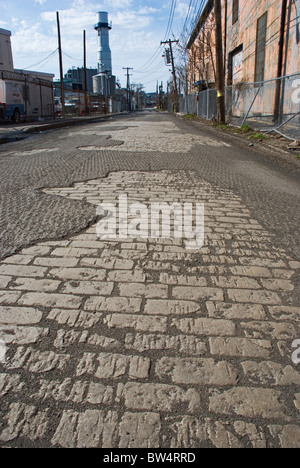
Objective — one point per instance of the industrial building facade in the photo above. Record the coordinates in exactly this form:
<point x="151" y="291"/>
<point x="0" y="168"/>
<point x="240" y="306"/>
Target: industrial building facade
<point x="75" y="78"/>
<point x="261" y="49"/>
<point x="23" y="94"/>
<point x="251" y="31"/>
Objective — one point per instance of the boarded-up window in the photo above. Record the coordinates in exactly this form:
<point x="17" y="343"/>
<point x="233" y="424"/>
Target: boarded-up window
<point x="260" y="53"/>
<point x="235" y="11"/>
<point x="235" y="66"/>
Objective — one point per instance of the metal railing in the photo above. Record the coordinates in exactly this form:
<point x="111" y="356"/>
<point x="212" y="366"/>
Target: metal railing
<point x="268" y="106"/>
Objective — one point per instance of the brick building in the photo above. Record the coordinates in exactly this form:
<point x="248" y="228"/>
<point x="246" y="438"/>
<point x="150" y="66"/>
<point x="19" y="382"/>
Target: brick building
<point x="251" y="31"/>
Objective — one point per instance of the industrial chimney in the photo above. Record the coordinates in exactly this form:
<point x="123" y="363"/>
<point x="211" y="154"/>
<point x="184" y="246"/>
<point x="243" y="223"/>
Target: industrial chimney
<point x="104" y="83"/>
<point x="104" y="53"/>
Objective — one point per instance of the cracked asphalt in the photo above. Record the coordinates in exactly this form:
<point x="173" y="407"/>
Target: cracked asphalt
<point x="53" y="159"/>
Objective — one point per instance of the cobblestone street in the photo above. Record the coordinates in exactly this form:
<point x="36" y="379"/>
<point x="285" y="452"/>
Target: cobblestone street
<point x="143" y="343"/>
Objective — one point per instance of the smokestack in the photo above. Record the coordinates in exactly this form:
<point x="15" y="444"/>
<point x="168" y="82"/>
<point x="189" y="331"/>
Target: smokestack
<point x="104" y="52"/>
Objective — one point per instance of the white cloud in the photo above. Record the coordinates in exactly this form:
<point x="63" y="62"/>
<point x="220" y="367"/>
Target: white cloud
<point x="182" y="9"/>
<point x="119" y="4"/>
<point x="135" y="36"/>
<point x="131" y="20"/>
<point x="146" y="10"/>
<point x="29" y="39"/>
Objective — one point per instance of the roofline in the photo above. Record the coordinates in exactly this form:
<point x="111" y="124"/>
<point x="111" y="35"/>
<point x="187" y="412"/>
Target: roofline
<point x="5" y="32"/>
<point x="34" y="73"/>
<point x="207" y="10"/>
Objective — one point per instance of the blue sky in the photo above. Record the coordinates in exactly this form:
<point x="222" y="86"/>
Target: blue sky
<point x="138" y="28"/>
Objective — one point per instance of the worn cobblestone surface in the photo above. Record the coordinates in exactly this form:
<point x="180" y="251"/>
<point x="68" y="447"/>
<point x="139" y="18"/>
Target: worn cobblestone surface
<point x="134" y="343"/>
<point x="142" y="343"/>
<point x="58" y="159"/>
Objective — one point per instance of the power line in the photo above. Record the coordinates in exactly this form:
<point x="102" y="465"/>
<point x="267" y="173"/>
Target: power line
<point x="171" y="19"/>
<point x="72" y="58"/>
<point x="153" y="70"/>
<point x="159" y="49"/>
<point x="157" y="79"/>
<point x="44" y="60"/>
<point x="187" y="17"/>
<point x="191" y="21"/>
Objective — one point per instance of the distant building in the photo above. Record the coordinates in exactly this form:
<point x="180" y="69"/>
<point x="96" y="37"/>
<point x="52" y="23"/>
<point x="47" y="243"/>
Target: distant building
<point x="6" y="58"/>
<point x="261" y="41"/>
<point x="23" y="94"/>
<point x="75" y="78"/>
<point x="151" y="99"/>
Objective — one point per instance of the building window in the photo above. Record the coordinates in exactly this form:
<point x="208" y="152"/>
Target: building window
<point x="235" y="65"/>
<point x="235" y="11"/>
<point x="260" y="53"/>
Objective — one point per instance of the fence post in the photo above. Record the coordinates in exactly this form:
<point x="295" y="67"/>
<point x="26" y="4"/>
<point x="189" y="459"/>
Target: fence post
<point x="207" y="104"/>
<point x="249" y="110"/>
<point x="41" y="98"/>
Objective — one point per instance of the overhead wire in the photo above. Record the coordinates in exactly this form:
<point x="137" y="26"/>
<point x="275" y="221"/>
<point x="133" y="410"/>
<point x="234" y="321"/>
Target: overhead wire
<point x="156" y="67"/>
<point x="72" y="58"/>
<point x="41" y="61"/>
<point x="157" y="79"/>
<point x="159" y="49"/>
<point x="187" y="17"/>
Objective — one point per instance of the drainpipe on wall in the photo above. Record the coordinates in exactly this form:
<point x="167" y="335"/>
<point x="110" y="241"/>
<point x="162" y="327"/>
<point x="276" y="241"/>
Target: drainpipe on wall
<point x="280" y="61"/>
<point x="225" y="37"/>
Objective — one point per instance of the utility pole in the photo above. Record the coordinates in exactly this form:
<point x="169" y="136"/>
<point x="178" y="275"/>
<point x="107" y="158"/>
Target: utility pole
<point x="84" y="74"/>
<point x="220" y="77"/>
<point x="128" y="87"/>
<point x="176" y="108"/>
<point x="280" y="61"/>
<point x="62" y="89"/>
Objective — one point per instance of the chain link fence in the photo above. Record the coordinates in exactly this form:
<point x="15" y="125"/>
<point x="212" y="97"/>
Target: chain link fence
<point x="26" y="97"/>
<point x="269" y="106"/>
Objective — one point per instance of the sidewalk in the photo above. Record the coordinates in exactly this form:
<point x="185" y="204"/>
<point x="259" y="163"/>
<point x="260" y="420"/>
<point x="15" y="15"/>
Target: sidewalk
<point x="275" y="147"/>
<point x="11" y="132"/>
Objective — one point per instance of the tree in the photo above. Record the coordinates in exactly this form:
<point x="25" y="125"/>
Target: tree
<point x="139" y="95"/>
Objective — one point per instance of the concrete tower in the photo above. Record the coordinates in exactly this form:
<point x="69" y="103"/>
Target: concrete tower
<point x="104" y="52"/>
<point x="104" y="83"/>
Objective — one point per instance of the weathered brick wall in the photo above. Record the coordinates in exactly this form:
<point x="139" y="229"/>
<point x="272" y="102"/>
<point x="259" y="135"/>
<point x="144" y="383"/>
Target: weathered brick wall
<point x="244" y="33"/>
